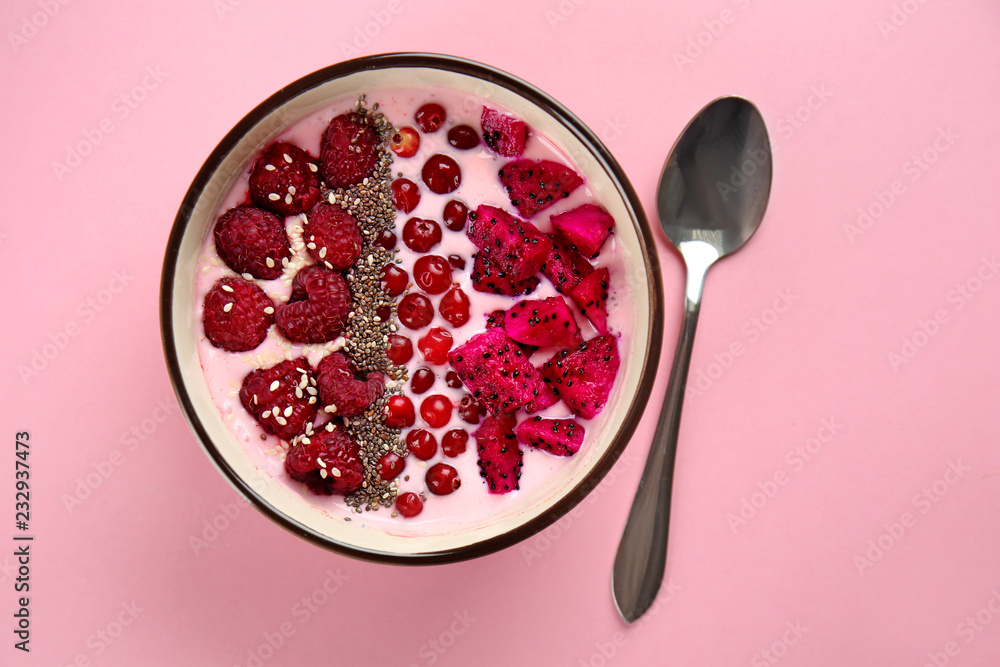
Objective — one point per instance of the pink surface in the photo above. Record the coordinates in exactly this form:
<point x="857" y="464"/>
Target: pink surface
<point x="858" y="410"/>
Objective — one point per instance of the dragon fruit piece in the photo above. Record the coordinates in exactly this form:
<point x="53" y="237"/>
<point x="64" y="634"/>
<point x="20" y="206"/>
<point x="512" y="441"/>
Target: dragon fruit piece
<point x="543" y="322"/>
<point x="561" y="437"/>
<point x="546" y="398"/>
<point x="516" y="246"/>
<point x="565" y="267"/>
<point x="587" y="227"/>
<point x="487" y="277"/>
<point x="583" y="377"/>
<point x="534" y="185"/>
<point x="504" y="134"/>
<point x="592" y="297"/>
<point x="500" y="457"/>
<point x="495" y="370"/>
<point x="497" y="319"/>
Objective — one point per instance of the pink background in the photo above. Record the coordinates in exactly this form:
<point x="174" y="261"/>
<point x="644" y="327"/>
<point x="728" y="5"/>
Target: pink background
<point x="889" y="107"/>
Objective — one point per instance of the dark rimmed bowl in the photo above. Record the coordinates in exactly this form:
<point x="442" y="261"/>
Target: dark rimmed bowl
<point x="640" y="344"/>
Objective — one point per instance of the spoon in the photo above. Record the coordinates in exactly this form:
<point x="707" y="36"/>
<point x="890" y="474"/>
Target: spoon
<point x="712" y="195"/>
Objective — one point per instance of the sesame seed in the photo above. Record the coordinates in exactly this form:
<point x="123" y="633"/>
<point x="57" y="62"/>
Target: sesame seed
<point x="269" y="167"/>
<point x="288" y="411"/>
<point x="281" y="420"/>
<point x="322" y="252"/>
<point x="274" y="385"/>
<point x="288" y="199"/>
<point x="274" y="197"/>
<point x="320" y="462"/>
<point x="322" y="473"/>
<point x="247" y="276"/>
<point x="288" y="158"/>
<point x="227" y="288"/>
<point x="269" y="262"/>
<point x="265" y="414"/>
<point x="226" y="308"/>
<point x="291" y="189"/>
<point x="269" y="310"/>
<point x="313" y="168"/>
<point x="335" y="472"/>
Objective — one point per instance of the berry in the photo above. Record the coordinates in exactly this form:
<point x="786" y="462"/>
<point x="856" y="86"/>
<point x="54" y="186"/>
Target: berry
<point x="500" y="458"/>
<point x="284" y="180"/>
<point x="339" y="386"/>
<point x="455" y="215"/>
<point x="405" y="194"/>
<point x="442" y="479"/>
<point x="496" y="371"/>
<point x="415" y="311"/>
<point x="561" y="437"/>
<point x="436" y="410"/>
<point x="583" y="377"/>
<point x="422" y="380"/>
<point x="348" y="151"/>
<point x="332" y="236"/>
<point x="534" y="185"/>
<point x="434" y="346"/>
<point x="463" y="137"/>
<point x="394" y="279"/>
<point x="236" y="314"/>
<point x="409" y="504"/>
<point x="454" y="441"/>
<point x="383" y="312"/>
<point x="514" y="246"/>
<point x="329" y="463"/>
<point x="420" y="235"/>
<point x="399" y="412"/>
<point x="432" y="273"/>
<point x="405" y="142"/>
<point x="441" y="174"/>
<point x="399" y="350"/>
<point x="504" y="134"/>
<point x="317" y="310"/>
<point x="454" y="307"/>
<point x="452" y="380"/>
<point x="390" y="466"/>
<point x="457" y="262"/>
<point x="470" y="410"/>
<point x="270" y="395"/>
<point x="421" y="444"/>
<point x="543" y="322"/>
<point x="387" y="238"/>
<point x="587" y="227"/>
<point x="430" y="117"/>
<point x="252" y="241"/>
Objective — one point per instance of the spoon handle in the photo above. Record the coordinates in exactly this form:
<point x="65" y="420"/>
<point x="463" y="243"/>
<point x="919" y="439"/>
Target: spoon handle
<point x="642" y="553"/>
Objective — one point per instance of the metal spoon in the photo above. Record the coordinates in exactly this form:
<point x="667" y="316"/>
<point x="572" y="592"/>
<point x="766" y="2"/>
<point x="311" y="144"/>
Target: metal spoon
<point x="712" y="195"/>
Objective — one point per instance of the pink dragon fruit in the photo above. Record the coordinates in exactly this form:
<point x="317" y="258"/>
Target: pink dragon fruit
<point x="487" y="277"/>
<point x="495" y="370"/>
<point x="546" y="398"/>
<point x="583" y="377"/>
<point x="500" y="457"/>
<point x="515" y="246"/>
<point x="587" y="227"/>
<point x="592" y="297"/>
<point x="534" y="185"/>
<point x="504" y="134"/>
<point x="565" y="267"/>
<point x="543" y="322"/>
<point x="561" y="437"/>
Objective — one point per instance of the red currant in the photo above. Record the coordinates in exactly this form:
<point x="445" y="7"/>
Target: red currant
<point x="383" y="312"/>
<point x="457" y="262"/>
<point x="399" y="412"/>
<point x="452" y="380"/>
<point x="442" y="479"/>
<point x="454" y="307"/>
<point x="432" y="273"/>
<point x="390" y="465"/>
<point x="405" y="142"/>
<point x="422" y="380"/>
<point x="434" y="346"/>
<point x="454" y="441"/>
<point x="441" y="174"/>
<point x="409" y="504"/>
<point x="463" y="137"/>
<point x="421" y="444"/>
<point x="415" y="311"/>
<point x="394" y="279"/>
<point x="405" y="194"/>
<point x="399" y="350"/>
<point x="436" y="410"/>
<point x="387" y="239"/>
<point x="470" y="411"/>
<point x="420" y="235"/>
<point x="455" y="215"/>
<point x="430" y="117"/>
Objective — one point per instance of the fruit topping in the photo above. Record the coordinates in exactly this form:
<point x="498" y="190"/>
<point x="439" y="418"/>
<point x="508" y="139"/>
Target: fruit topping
<point x="405" y="142"/>
<point x="503" y="133"/>
<point x="455" y="215"/>
<point x="405" y="194"/>
<point x="434" y="346"/>
<point x="500" y="458"/>
<point x="441" y="174"/>
<point x="463" y="137"/>
<point x="422" y="444"/>
<point x="452" y="380"/>
<point x="454" y="307"/>
<point x="543" y="322"/>
<point x="278" y="397"/>
<point x="486" y="277"/>
<point x="561" y="437"/>
<point x="496" y="371"/>
<point x="592" y="297"/>
<point x="436" y="410"/>
<point x="236" y="314"/>
<point x="420" y="234"/>
<point x="432" y="273"/>
<point x="415" y="311"/>
<point x="399" y="412"/>
<point x="284" y="180"/>
<point x="394" y="280"/>
<point x="252" y="241"/>
<point x="534" y="185"/>
<point x="332" y="236"/>
<point x="565" y="267"/>
<point x="422" y="380"/>
<point x="390" y="466"/>
<point x="470" y="410"/>
<point x="442" y="479"/>
<point x="317" y="310"/>
<point x="430" y="117"/>
<point x="349" y="150"/>
<point x="454" y="442"/>
<point x="341" y="390"/>
<point x="583" y="377"/>
<point x="514" y="246"/>
<point x="386" y="239"/>
<point x="329" y="462"/>
<point x="587" y="227"/>
<point x="409" y="504"/>
<point x="399" y="350"/>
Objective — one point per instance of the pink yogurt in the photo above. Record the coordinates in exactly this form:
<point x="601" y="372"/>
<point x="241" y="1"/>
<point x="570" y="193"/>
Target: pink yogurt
<point x="225" y="371"/>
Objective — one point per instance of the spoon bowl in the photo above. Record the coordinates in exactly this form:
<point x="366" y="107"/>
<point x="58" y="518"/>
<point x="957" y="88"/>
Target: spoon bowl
<point x="711" y="199"/>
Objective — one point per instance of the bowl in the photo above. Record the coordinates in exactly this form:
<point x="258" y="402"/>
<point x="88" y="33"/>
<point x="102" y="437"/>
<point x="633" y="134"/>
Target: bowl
<point x="309" y="516"/>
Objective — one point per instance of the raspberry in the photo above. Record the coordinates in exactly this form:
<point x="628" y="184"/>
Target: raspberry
<point x="348" y="151"/>
<point x="285" y="180"/>
<point x="252" y="241"/>
<point x="278" y="397"/>
<point x="338" y="385"/>
<point x="332" y="236"/>
<point x="317" y="310"/>
<point x="329" y="463"/>
<point x="237" y="314"/>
